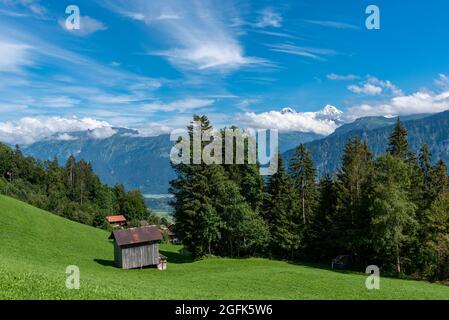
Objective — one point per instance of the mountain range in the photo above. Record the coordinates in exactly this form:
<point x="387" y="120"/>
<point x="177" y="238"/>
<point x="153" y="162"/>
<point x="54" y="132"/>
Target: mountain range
<point x="143" y="162"/>
<point x="128" y="158"/>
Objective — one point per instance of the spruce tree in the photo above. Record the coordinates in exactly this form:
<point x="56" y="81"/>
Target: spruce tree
<point x="303" y="173"/>
<point x="421" y="175"/>
<point x="281" y="212"/>
<point x="393" y="223"/>
<point x="398" y="144"/>
<point x="353" y="188"/>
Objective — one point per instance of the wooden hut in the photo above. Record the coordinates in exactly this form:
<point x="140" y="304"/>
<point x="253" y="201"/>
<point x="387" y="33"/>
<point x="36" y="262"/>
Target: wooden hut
<point x="137" y="247"/>
<point x="171" y="233"/>
<point x="118" y="221"/>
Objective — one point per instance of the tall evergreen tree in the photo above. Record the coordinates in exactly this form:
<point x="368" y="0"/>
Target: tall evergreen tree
<point x="303" y="173"/>
<point x="398" y="143"/>
<point x="421" y="176"/>
<point x="352" y="188"/>
<point x="281" y="212"/>
<point x="393" y="221"/>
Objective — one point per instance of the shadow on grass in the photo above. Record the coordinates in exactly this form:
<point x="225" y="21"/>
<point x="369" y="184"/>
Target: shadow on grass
<point x="106" y="263"/>
<point x="176" y="257"/>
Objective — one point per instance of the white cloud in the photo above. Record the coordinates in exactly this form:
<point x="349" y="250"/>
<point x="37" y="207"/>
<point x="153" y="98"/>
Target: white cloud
<point x="338" y="77"/>
<point x="14" y="56"/>
<point x="28" y="130"/>
<point x="367" y="88"/>
<point x="178" y="105"/>
<point x="418" y="102"/>
<point x="322" y="122"/>
<point x="65" y="137"/>
<point x="373" y="86"/>
<point x="269" y="18"/>
<point x="155" y="129"/>
<point x="102" y="133"/>
<point x="88" y="25"/>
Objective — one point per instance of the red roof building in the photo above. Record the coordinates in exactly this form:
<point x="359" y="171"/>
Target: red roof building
<point x="116" y="221"/>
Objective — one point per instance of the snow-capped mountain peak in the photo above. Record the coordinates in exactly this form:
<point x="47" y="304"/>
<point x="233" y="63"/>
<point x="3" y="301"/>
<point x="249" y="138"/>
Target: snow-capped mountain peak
<point x="288" y="110"/>
<point x="330" y="110"/>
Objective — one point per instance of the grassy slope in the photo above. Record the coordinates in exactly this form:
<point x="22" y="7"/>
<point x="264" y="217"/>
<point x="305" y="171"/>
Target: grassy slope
<point x="36" y="247"/>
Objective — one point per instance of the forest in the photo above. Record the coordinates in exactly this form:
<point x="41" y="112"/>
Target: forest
<point x="391" y="211"/>
<point x="72" y="191"/>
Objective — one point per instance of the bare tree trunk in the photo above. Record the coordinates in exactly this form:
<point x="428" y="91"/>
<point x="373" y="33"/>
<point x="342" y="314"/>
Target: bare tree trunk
<point x="398" y="260"/>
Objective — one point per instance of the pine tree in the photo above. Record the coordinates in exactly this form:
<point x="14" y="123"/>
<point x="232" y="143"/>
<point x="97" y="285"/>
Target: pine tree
<point x="281" y="212"/>
<point x="398" y="144"/>
<point x="304" y="175"/>
<point x="353" y="188"/>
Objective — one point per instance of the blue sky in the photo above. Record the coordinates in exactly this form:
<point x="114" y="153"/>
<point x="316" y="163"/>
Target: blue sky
<point x="151" y="64"/>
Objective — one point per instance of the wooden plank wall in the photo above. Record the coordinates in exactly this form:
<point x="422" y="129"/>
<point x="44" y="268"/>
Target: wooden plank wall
<point x="139" y="256"/>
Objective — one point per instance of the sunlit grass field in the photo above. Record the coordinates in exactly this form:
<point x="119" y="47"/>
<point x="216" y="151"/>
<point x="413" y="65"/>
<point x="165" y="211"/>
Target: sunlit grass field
<point x="36" y="247"/>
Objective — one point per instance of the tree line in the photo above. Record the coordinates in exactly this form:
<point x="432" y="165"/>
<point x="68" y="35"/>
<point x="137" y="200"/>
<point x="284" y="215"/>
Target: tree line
<point x="72" y="191"/>
<point x="391" y="211"/>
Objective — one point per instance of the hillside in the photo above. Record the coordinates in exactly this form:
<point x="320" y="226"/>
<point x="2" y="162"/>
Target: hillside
<point x="371" y="123"/>
<point x="37" y="246"/>
<point x="433" y="130"/>
<point x="116" y="158"/>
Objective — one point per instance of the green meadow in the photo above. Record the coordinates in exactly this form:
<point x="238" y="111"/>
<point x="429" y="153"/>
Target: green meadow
<point x="37" y="246"/>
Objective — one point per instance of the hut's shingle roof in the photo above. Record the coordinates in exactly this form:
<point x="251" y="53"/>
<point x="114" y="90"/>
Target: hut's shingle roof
<point x="136" y="235"/>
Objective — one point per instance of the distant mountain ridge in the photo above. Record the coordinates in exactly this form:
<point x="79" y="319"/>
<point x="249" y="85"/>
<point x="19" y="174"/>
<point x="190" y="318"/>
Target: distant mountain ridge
<point x="128" y="158"/>
<point x="424" y="128"/>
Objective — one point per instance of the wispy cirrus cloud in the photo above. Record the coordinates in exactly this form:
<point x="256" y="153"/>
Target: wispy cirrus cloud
<point x="197" y="33"/>
<point x="442" y="81"/>
<point x="341" y="77"/>
<point x="309" y="52"/>
<point x="182" y="105"/>
<point x="269" y="18"/>
<point x="34" y="7"/>
<point x="14" y="55"/>
<point x="332" y="24"/>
